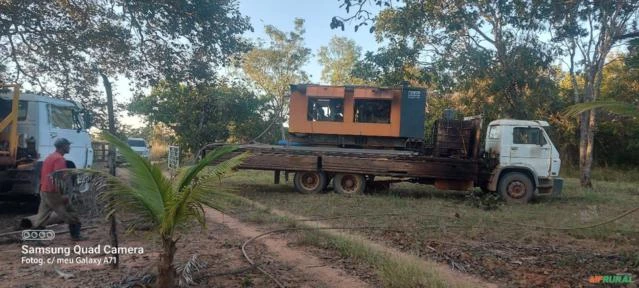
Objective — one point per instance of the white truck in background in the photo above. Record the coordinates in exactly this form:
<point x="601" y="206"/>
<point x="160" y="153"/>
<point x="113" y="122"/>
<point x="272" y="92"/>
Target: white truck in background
<point x="30" y="125"/>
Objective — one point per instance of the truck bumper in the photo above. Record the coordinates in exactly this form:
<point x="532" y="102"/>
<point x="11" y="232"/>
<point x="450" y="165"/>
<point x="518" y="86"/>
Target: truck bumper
<point x="557" y="186"/>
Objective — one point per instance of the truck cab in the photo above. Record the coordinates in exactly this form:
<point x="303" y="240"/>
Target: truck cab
<point x="40" y="121"/>
<point x="524" y="161"/>
<point x="139" y="145"/>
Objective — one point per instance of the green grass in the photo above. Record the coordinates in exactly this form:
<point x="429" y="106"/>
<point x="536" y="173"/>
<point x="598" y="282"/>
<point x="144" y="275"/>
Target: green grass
<point x="607" y="174"/>
<point x="391" y="270"/>
<point x="424" y="206"/>
<point x="429" y="217"/>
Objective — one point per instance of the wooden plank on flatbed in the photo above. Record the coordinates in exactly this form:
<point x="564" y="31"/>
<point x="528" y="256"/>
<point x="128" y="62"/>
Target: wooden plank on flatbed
<point x="267" y="161"/>
<point x="425" y="167"/>
<point x="373" y="162"/>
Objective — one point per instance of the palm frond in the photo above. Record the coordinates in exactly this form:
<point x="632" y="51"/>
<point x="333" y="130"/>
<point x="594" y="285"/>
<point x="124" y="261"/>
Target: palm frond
<point x="612" y="106"/>
<point x="187" y="175"/>
<point x="119" y="195"/>
<point x="146" y="179"/>
<point x="187" y="202"/>
<point x="212" y="176"/>
<point x="223" y="168"/>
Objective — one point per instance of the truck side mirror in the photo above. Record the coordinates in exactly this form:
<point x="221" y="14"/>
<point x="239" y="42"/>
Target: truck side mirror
<point x="88" y="118"/>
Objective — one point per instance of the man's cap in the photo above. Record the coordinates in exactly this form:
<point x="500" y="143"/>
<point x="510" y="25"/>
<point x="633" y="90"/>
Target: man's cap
<point x="61" y="142"/>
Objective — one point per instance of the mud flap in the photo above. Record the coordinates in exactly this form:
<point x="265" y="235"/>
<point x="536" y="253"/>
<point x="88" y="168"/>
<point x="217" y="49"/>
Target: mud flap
<point x="557" y="186"/>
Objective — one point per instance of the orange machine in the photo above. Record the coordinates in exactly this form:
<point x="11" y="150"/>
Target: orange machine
<point x="357" y="115"/>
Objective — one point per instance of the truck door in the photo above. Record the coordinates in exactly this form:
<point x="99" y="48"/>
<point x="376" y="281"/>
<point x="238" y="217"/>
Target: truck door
<point x="64" y="122"/>
<point x="530" y="148"/>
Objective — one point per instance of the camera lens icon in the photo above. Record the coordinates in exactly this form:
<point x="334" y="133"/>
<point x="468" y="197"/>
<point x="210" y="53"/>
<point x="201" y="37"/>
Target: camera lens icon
<point x="38" y="235"/>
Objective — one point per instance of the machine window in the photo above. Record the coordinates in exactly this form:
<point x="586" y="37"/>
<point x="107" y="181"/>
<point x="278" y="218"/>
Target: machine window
<point x="493" y="133"/>
<point x="63" y="117"/>
<point x="325" y="109"/>
<point x="523" y="135"/>
<point x="5" y="109"/>
<point x="23" y="107"/>
<point x="372" y="111"/>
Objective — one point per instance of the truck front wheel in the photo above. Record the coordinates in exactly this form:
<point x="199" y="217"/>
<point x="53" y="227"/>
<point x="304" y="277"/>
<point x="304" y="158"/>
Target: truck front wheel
<point x="349" y="183"/>
<point x="516" y="187"/>
<point x="310" y="181"/>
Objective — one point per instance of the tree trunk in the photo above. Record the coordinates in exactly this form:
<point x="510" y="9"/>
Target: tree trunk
<point x="113" y="231"/>
<point x="166" y="273"/>
<point x="586" y="133"/>
<point x="585" y="148"/>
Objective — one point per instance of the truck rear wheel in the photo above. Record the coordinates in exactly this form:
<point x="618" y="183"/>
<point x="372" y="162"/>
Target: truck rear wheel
<point x="349" y="183"/>
<point x="310" y="181"/>
<point x="516" y="187"/>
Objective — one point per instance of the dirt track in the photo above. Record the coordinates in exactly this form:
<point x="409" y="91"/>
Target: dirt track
<point x="301" y="261"/>
<point x="218" y="246"/>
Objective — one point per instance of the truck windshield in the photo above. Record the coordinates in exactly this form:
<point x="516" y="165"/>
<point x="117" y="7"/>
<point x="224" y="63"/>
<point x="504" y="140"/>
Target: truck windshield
<point x="64" y="117"/>
<point x="5" y="109"/>
<point x="136" y="143"/>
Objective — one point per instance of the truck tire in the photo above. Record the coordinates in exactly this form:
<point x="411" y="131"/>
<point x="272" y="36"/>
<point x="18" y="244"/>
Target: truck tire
<point x="310" y="181"/>
<point x="516" y="187"/>
<point x="349" y="183"/>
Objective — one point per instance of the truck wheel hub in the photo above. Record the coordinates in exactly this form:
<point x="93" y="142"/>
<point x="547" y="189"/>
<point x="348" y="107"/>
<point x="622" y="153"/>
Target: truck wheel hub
<point x="310" y="180"/>
<point x="516" y="189"/>
<point x="349" y="183"/>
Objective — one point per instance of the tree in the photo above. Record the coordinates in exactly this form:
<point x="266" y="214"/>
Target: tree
<point x="591" y="29"/>
<point x="167" y="204"/>
<point x="274" y="67"/>
<point x="202" y="114"/>
<point x="65" y="48"/>
<point x="462" y="45"/>
<point x="338" y="60"/>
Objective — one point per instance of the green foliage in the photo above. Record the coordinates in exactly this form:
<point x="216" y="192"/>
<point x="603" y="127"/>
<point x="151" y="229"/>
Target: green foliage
<point x="338" y="60"/>
<point x="490" y="58"/>
<point x="464" y="49"/>
<point x="611" y="106"/>
<point x="273" y="67"/>
<point x="63" y="47"/>
<point x="150" y="195"/>
<point x="618" y="128"/>
<point x="203" y="114"/>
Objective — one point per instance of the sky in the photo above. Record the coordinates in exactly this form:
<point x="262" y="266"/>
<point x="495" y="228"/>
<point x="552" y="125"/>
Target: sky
<point x="317" y="16"/>
<point x="281" y="14"/>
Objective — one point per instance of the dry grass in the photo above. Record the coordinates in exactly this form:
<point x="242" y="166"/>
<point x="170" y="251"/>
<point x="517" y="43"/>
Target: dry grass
<point x="159" y="150"/>
<point x="432" y="217"/>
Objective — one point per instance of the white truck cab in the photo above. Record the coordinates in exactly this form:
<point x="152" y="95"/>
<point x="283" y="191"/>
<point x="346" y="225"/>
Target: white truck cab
<point x="41" y="120"/>
<point x="140" y="146"/>
<point x="527" y="162"/>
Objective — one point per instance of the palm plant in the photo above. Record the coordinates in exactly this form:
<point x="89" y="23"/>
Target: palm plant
<point x="165" y="203"/>
<point x="612" y="106"/>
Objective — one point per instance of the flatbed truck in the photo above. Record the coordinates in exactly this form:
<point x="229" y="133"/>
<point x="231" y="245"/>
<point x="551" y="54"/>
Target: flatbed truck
<point x="518" y="161"/>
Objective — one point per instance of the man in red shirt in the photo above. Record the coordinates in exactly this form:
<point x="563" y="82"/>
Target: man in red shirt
<point x="51" y="199"/>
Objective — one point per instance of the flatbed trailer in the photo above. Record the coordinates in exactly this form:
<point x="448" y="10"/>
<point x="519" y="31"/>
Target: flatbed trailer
<point x="314" y="167"/>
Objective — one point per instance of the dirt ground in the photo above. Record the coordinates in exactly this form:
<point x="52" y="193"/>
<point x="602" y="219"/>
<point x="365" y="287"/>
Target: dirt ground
<point x="217" y="247"/>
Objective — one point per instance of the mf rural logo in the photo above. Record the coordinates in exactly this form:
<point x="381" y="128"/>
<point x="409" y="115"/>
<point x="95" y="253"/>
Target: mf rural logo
<point x="610" y="279"/>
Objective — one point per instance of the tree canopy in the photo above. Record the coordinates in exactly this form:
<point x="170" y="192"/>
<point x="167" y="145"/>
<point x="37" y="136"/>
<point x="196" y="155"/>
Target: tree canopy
<point x="64" y="47"/>
<point x="272" y="67"/>
<point x="202" y="114"/>
<point x="494" y="57"/>
<point x="338" y="61"/>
